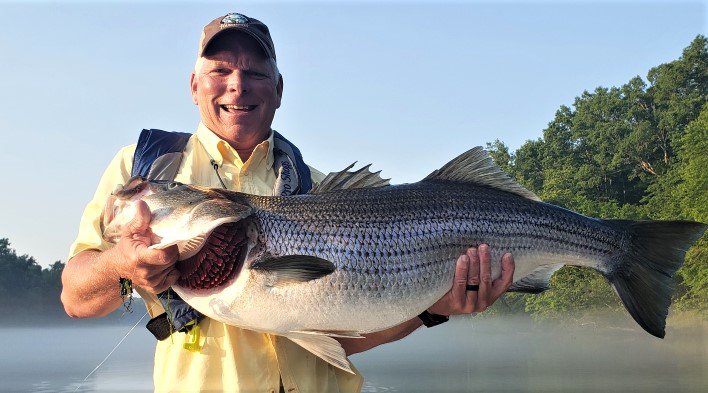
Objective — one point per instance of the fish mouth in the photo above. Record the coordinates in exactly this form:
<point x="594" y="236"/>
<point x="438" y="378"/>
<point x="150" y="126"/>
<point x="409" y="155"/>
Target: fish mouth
<point x="122" y="199"/>
<point x="218" y="262"/>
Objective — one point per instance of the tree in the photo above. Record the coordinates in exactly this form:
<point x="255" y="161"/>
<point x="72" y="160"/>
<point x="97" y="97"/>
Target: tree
<point x="25" y="288"/>
<point x="634" y="151"/>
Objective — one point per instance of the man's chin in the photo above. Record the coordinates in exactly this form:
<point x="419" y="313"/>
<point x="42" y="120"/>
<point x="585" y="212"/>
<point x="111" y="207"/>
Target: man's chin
<point x="242" y="133"/>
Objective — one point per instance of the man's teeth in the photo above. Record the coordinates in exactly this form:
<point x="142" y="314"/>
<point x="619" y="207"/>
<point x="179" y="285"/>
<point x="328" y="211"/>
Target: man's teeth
<point x="239" y="107"/>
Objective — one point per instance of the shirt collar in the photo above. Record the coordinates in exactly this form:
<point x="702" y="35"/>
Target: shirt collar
<point x="221" y="151"/>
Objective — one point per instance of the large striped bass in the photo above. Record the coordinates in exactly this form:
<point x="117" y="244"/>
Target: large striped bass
<point x="357" y="255"/>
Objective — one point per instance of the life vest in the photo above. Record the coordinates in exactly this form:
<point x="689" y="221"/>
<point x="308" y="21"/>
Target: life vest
<point x="158" y="156"/>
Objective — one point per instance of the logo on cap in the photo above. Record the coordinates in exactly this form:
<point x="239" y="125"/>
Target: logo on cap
<point x="234" y="19"/>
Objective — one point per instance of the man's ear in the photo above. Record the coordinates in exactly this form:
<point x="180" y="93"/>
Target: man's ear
<point x="279" y="89"/>
<point x="193" y="87"/>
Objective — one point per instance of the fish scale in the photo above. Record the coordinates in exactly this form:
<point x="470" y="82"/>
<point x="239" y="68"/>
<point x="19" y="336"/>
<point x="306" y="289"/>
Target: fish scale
<point x="466" y="218"/>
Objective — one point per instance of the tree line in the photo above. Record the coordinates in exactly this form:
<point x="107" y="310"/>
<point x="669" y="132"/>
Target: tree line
<point x="638" y="151"/>
<point x="27" y="291"/>
<point x="30" y="294"/>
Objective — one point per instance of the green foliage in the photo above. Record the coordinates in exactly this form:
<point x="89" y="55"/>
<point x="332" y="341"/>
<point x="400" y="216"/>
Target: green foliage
<point x="26" y="288"/>
<point x="682" y="193"/>
<point x="636" y="151"/>
<point x="693" y="291"/>
<point x="572" y="290"/>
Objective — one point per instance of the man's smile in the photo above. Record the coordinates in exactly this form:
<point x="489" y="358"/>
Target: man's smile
<point x="237" y="108"/>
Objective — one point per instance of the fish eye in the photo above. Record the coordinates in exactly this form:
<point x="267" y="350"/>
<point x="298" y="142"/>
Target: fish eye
<point x="172" y="185"/>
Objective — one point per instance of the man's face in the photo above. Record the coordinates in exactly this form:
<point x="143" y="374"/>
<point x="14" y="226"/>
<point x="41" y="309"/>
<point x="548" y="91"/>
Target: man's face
<point x="235" y="90"/>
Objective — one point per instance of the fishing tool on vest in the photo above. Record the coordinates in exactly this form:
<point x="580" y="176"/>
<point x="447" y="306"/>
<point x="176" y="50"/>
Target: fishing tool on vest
<point x="126" y="292"/>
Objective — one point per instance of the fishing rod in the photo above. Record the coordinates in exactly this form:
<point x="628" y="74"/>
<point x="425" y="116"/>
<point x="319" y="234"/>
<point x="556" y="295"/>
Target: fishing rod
<point x="110" y="353"/>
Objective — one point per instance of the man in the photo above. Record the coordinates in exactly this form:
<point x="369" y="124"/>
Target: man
<point x="237" y="88"/>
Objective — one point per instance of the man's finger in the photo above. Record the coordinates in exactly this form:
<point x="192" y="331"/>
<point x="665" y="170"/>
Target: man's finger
<point x="485" y="278"/>
<point x="507" y="276"/>
<point x="168" y="280"/>
<point x="140" y="222"/>
<point x="472" y="278"/>
<point x="159" y="280"/>
<point x="160" y="257"/>
<point x="459" y="286"/>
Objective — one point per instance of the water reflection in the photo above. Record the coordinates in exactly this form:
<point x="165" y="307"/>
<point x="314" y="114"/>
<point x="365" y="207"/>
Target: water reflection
<point x="515" y="354"/>
<point x="467" y="354"/>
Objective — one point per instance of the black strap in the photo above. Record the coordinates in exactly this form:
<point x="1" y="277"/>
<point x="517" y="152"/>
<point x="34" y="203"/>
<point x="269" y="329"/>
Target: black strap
<point x="160" y="327"/>
<point x="429" y="319"/>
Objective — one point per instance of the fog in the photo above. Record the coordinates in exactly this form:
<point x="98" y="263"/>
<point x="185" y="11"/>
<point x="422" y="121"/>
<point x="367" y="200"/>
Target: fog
<point x="474" y="354"/>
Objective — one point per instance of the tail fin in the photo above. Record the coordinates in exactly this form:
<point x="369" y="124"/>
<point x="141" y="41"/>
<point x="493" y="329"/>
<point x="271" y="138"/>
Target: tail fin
<point x="643" y="277"/>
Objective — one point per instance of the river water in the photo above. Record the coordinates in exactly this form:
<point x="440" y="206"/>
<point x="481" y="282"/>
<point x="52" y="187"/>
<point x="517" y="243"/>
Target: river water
<point x="465" y="355"/>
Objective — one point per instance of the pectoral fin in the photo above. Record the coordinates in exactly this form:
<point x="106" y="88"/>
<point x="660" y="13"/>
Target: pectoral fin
<point x="292" y="269"/>
<point x="324" y="347"/>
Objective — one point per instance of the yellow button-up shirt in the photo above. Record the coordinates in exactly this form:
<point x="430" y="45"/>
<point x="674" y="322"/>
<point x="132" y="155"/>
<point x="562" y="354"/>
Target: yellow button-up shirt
<point x="231" y="359"/>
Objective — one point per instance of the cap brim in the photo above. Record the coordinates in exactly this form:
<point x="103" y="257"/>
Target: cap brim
<point x="258" y="39"/>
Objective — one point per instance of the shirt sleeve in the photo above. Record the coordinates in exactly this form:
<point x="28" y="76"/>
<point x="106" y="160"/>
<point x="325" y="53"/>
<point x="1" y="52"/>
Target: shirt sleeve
<point x="117" y="173"/>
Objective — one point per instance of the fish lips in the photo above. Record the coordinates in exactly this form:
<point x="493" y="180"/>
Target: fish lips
<point x="119" y="208"/>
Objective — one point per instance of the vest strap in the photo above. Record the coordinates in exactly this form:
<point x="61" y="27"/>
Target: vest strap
<point x="160" y="327"/>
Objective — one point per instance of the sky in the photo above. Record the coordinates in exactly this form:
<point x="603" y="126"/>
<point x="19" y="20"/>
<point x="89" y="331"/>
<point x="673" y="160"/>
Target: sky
<point x="406" y="86"/>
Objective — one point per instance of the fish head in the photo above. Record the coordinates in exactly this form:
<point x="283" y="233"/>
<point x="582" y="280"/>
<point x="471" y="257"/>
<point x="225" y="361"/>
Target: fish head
<point x="181" y="214"/>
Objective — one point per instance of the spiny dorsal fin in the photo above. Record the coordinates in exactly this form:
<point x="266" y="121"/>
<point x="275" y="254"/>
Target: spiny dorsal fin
<point x="290" y="269"/>
<point x="345" y="180"/>
<point x="477" y="167"/>
<point x="324" y="347"/>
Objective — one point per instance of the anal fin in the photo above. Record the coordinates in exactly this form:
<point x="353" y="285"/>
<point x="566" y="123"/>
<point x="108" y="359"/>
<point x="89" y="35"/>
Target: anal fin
<point x="324" y="347"/>
<point x="536" y="281"/>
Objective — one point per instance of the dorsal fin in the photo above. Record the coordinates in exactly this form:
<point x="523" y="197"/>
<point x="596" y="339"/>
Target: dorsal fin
<point x="477" y="167"/>
<point x="345" y="180"/>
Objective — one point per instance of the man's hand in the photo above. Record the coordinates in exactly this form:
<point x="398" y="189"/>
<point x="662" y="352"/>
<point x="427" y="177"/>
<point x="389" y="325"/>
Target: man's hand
<point x="474" y="268"/>
<point x="151" y="269"/>
<point x="90" y="280"/>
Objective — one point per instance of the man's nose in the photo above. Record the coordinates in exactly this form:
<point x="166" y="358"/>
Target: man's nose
<point x="238" y="82"/>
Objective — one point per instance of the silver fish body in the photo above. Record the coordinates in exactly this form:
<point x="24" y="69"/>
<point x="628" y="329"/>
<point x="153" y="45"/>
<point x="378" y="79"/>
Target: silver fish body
<point x="394" y="248"/>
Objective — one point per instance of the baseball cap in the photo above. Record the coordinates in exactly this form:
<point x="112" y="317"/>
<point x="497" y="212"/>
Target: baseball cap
<point x="238" y="22"/>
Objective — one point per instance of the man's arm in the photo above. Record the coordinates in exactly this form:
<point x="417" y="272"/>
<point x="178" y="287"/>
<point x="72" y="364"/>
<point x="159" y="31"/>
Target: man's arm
<point x="90" y="280"/>
<point x="472" y="268"/>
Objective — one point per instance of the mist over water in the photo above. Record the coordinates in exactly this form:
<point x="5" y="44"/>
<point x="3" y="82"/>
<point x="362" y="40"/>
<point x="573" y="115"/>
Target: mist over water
<point x="516" y="354"/>
<point x="468" y="354"/>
